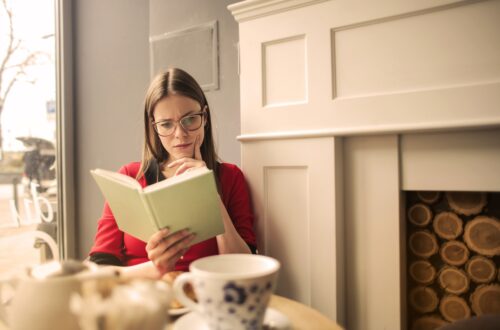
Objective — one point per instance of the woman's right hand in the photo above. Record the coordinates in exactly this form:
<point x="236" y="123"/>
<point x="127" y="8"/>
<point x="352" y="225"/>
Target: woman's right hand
<point x="165" y="249"/>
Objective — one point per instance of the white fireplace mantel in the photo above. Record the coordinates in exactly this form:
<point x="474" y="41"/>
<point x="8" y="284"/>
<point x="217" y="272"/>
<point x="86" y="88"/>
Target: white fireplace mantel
<point x="344" y="105"/>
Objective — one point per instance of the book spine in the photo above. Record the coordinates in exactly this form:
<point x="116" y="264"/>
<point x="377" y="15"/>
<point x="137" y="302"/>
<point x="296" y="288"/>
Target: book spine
<point x="149" y="210"/>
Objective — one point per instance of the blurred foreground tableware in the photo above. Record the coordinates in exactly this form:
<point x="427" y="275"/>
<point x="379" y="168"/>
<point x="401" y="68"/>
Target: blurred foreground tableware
<point x="40" y="296"/>
<point x="233" y="290"/>
<point x="114" y="305"/>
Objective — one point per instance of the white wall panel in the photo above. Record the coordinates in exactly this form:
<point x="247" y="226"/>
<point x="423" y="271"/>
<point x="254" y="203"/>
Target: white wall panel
<point x="284" y="58"/>
<point x="372" y="227"/>
<point x="441" y="49"/>
<point x="404" y="65"/>
<point x="461" y="161"/>
<point x="293" y="188"/>
<point x="287" y="224"/>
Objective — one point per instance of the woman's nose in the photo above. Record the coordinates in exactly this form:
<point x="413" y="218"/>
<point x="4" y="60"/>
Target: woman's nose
<point x="180" y="131"/>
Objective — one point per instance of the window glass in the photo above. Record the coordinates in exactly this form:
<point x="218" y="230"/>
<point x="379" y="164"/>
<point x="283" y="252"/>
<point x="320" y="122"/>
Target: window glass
<point x="28" y="187"/>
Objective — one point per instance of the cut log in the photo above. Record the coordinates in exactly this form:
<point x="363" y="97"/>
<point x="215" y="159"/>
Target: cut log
<point x="454" y="308"/>
<point x="429" y="197"/>
<point x="481" y="269"/>
<point x="428" y="323"/>
<point x="486" y="299"/>
<point x="423" y="299"/>
<point x="454" y="253"/>
<point x="420" y="215"/>
<point x="453" y="280"/>
<point x="422" y="272"/>
<point x="466" y="203"/>
<point x="447" y="225"/>
<point x="423" y="243"/>
<point x="482" y="235"/>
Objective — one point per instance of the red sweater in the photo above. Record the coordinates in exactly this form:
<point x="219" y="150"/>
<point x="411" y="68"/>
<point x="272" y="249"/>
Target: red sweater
<point x="131" y="251"/>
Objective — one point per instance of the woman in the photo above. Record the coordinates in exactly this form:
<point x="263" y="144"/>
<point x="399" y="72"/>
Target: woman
<point x="178" y="137"/>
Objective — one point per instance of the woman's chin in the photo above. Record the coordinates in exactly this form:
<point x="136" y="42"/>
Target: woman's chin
<point x="179" y="155"/>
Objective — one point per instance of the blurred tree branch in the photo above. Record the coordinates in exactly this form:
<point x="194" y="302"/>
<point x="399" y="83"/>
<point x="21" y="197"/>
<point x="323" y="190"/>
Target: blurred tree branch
<point x="14" y="63"/>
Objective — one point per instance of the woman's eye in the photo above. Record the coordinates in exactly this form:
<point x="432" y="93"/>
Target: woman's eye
<point x="187" y="121"/>
<point x="167" y="124"/>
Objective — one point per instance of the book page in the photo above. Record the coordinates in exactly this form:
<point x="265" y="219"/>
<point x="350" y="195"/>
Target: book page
<point x="118" y="177"/>
<point x="191" y="203"/>
<point x="196" y="172"/>
<point x="127" y="205"/>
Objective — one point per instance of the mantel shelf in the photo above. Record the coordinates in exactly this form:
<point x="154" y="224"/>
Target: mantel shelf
<point x="374" y="130"/>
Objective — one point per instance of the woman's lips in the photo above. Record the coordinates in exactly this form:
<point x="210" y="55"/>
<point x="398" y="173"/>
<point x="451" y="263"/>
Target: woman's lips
<point x="182" y="146"/>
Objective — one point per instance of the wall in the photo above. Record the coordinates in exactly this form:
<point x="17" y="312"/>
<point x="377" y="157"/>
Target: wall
<point x="110" y="78"/>
<point x="170" y="15"/>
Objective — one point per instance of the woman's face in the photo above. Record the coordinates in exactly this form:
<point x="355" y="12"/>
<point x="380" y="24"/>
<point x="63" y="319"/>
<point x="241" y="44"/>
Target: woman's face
<point x="181" y="142"/>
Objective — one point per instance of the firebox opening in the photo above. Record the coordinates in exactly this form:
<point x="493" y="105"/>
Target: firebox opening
<point x="453" y="256"/>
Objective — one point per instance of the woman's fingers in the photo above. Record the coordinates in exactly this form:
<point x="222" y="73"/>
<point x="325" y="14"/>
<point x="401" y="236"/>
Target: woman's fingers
<point x="181" y="161"/>
<point x="155" y="247"/>
<point x="186" y="166"/>
<point x="189" y="164"/>
<point x="167" y="260"/>
<point x="197" y="146"/>
<point x="165" y="252"/>
<point x="156" y="238"/>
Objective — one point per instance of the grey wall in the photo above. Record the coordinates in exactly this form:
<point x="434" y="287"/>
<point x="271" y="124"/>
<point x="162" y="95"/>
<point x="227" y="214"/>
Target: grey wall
<point x="111" y="74"/>
<point x="110" y="78"/>
<point x="172" y="15"/>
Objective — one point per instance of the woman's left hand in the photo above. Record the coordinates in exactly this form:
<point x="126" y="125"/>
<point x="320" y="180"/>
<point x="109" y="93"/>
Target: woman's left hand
<point x="187" y="163"/>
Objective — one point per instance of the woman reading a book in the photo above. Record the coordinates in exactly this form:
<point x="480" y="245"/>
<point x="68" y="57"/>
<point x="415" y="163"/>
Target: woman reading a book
<point x="178" y="138"/>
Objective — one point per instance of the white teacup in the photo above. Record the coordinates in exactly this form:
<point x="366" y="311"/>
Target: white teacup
<point x="233" y="290"/>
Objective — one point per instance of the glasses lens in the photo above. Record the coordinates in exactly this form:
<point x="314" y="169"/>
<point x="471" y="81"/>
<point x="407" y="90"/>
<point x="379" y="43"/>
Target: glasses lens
<point x="165" y="127"/>
<point x="192" y="122"/>
<point x="189" y="123"/>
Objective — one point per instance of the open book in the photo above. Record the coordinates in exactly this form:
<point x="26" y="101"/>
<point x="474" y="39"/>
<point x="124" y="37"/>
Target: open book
<point x="189" y="200"/>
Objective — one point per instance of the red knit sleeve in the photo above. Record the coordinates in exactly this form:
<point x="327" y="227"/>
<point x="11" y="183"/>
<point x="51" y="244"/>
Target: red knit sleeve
<point x="236" y="198"/>
<point x="109" y="238"/>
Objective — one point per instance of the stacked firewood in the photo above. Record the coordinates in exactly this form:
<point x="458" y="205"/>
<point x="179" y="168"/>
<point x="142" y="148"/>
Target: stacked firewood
<point x="454" y="256"/>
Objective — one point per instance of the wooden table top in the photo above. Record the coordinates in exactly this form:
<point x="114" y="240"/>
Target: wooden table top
<point x="300" y="315"/>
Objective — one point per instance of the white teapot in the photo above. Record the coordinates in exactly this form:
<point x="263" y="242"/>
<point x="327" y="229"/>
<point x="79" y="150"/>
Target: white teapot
<point x="41" y="296"/>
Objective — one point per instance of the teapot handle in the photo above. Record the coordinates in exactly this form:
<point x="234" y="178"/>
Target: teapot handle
<point x="44" y="237"/>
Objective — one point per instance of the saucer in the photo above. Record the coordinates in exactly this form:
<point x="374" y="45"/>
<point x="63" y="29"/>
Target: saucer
<point x="178" y="311"/>
<point x="273" y="320"/>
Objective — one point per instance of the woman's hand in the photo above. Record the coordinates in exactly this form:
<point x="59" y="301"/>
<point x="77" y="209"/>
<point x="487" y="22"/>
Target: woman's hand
<point x="186" y="163"/>
<point x="165" y="249"/>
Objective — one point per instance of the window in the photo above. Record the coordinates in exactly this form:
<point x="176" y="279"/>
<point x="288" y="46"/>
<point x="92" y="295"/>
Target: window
<point x="28" y="132"/>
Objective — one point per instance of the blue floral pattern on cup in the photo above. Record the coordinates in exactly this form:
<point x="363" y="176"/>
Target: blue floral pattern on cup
<point x="241" y="300"/>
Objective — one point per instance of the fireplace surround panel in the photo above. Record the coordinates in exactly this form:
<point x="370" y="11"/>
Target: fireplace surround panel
<point x="350" y="103"/>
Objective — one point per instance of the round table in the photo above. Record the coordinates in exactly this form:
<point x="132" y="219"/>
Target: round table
<point x="300" y="315"/>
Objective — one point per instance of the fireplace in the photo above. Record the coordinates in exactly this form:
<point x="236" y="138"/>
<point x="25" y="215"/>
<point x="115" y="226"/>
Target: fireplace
<point x="348" y="109"/>
<point x="397" y="195"/>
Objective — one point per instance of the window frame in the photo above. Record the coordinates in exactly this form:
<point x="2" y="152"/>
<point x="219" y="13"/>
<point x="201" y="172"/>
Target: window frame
<point x="65" y="172"/>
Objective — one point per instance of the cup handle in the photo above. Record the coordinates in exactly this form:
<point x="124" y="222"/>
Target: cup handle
<point x="179" y="283"/>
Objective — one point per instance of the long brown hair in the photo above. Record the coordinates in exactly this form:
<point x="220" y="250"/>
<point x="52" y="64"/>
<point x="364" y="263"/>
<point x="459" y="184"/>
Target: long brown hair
<point x="174" y="81"/>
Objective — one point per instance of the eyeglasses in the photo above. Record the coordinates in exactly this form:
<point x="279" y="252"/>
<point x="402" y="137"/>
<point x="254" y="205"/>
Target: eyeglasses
<point x="189" y="123"/>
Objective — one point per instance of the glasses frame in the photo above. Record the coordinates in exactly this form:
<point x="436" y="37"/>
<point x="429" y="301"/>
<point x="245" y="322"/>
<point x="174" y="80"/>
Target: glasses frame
<point x="177" y="123"/>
